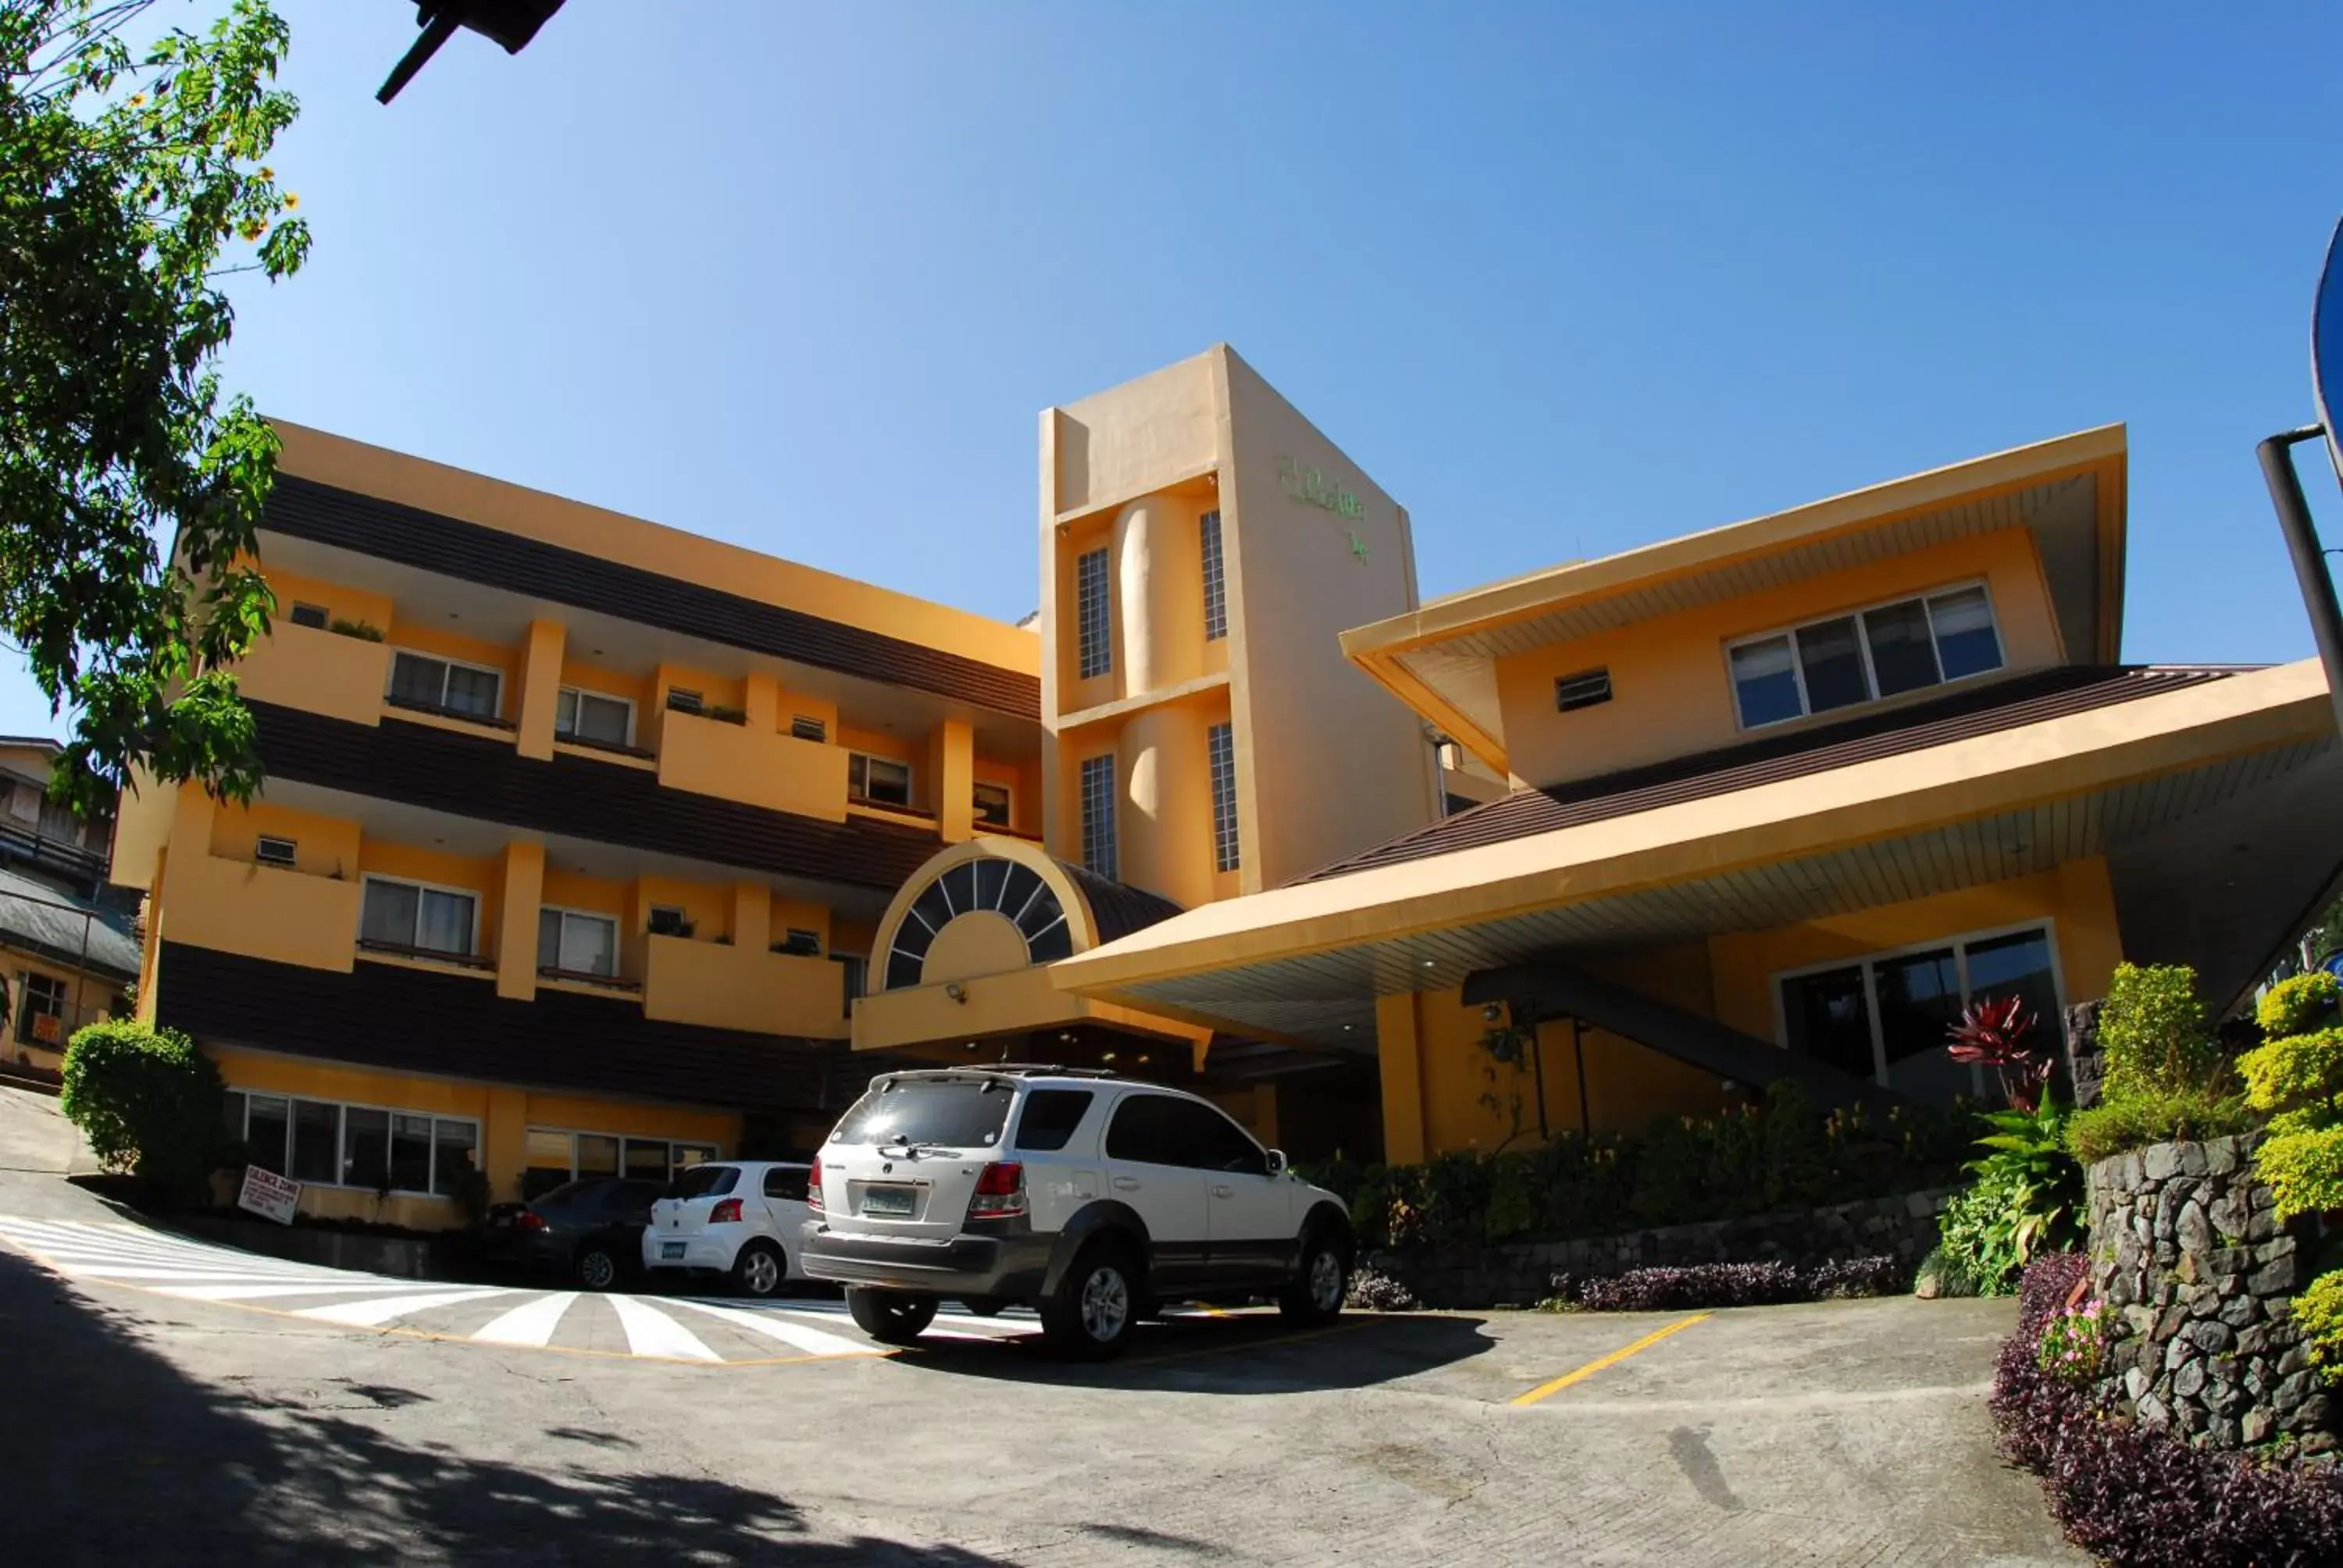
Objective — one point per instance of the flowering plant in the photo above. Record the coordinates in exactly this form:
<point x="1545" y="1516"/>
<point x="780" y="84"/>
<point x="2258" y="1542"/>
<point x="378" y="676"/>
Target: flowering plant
<point x="2074" y="1342"/>
<point x="1999" y="1034"/>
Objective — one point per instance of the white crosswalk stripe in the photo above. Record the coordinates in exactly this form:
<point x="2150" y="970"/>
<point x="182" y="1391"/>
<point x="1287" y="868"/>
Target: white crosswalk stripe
<point x="519" y="1315"/>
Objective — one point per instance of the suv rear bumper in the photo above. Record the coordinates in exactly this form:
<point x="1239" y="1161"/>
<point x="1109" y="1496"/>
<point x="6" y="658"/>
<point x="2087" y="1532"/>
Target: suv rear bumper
<point x="1012" y="1266"/>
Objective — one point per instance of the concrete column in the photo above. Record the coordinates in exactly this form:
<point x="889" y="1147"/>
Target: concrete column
<point x="524" y="895"/>
<point x="1163" y="823"/>
<point x="760" y="698"/>
<point x="752" y="917"/>
<point x="540" y="687"/>
<point x="952" y="779"/>
<point x="1159" y="609"/>
<point x="1399" y="1053"/>
<point x="504" y="1143"/>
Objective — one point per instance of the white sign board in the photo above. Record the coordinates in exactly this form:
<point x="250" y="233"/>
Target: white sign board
<point x="269" y="1195"/>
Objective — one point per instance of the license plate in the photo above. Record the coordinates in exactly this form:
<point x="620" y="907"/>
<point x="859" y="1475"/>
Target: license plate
<point x="887" y="1201"/>
<point x="671" y="1248"/>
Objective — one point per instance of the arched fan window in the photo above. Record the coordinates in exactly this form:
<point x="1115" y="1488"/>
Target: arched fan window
<point x="1006" y="887"/>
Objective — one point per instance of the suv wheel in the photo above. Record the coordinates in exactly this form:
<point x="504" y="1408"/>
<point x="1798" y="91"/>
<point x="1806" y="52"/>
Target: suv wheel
<point x="760" y="1271"/>
<point x="1096" y="1304"/>
<point x="597" y="1268"/>
<point x="890" y="1317"/>
<point x="1315" y="1294"/>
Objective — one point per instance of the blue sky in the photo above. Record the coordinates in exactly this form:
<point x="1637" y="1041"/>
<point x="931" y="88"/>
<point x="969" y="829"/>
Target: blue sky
<point x="1563" y="279"/>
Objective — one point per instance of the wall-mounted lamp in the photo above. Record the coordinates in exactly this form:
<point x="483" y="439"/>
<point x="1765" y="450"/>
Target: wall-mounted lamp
<point x="1494" y="1012"/>
<point x="957" y="991"/>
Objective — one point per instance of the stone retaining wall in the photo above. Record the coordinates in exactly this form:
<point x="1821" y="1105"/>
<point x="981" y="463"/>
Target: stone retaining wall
<point x="2187" y="1247"/>
<point x="1521" y="1273"/>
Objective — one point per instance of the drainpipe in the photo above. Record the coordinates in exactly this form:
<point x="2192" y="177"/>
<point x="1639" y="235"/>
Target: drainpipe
<point x="2276" y="455"/>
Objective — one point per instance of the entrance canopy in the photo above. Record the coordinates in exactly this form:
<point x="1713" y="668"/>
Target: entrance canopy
<point x="2209" y="792"/>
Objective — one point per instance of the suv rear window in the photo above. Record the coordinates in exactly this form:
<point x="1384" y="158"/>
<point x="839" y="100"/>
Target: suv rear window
<point x="1050" y="1118"/>
<point x="953" y="1112"/>
<point x="704" y="1181"/>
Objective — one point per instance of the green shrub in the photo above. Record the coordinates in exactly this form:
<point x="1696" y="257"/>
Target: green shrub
<point x="2123" y="1125"/>
<point x="2154" y="1032"/>
<point x="2026" y="1199"/>
<point x="149" y="1100"/>
<point x="1953" y="1275"/>
<point x="2319" y="1311"/>
<point x="1968" y="1242"/>
<point x="362" y="630"/>
<point x="1797" y="1148"/>
<point x="2297" y="1078"/>
<point x="1511" y="1211"/>
<point x="1671" y="1173"/>
<point x="2297" y="1006"/>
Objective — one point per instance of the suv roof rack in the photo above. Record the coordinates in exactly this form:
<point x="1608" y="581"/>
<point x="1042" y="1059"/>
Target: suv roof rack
<point x="1011" y="1069"/>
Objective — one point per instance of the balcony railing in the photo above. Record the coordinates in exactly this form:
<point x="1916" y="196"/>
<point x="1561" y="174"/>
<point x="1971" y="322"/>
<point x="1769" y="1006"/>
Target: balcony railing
<point x="442" y="710"/>
<point x="428" y="955"/>
<point x="594" y="977"/>
<point x="728" y="987"/>
<point x="317" y="671"/>
<point x="260" y="911"/>
<point x="757" y="768"/>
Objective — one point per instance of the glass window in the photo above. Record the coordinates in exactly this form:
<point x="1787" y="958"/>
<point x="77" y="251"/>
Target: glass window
<point x="41" y="1019"/>
<point x="232" y="1115"/>
<point x="588" y="716"/>
<point x="1919" y="999"/>
<point x="309" y="615"/>
<point x="597" y="1154"/>
<point x="1095" y="654"/>
<point x="445" y="924"/>
<point x="547" y="1162"/>
<point x="1901" y="657"/>
<point x="946" y="1113"/>
<point x="801" y="944"/>
<point x="1967" y="643"/>
<point x="879" y="779"/>
<point x="389" y="914"/>
<point x="1766" y="682"/>
<point x="682" y="700"/>
<point x="1142" y="1131"/>
<point x="316" y="1141"/>
<point x="410" y="1153"/>
<point x="575" y="943"/>
<point x="1050" y="1118"/>
<point x="472" y="691"/>
<point x="704" y="1181"/>
<point x="2019" y="965"/>
<point x="266" y="1124"/>
<point x="1220" y="743"/>
<point x="429" y="920"/>
<point x="856" y="967"/>
<point x="688" y="1155"/>
<point x="365" y="1148"/>
<point x="647" y="1159"/>
<point x="991" y="803"/>
<point x="667" y="921"/>
<point x="455" y="1155"/>
<point x="1097" y="814"/>
<point x="1829" y="1019"/>
<point x="783" y="1182"/>
<point x="1831" y="659"/>
<point x="1204" y="1138"/>
<point x="1216" y="593"/>
<point x="417" y="680"/>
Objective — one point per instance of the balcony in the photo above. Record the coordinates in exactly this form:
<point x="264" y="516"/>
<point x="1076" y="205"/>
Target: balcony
<point x="688" y="981"/>
<point x="734" y="762"/>
<point x="317" y="671"/>
<point x="260" y="911"/>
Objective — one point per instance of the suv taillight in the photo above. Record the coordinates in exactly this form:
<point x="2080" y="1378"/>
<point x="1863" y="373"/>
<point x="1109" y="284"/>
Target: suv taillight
<point x="813" y="1188"/>
<point x="1000" y="1192"/>
<point x="528" y="1219"/>
<point x="728" y="1212"/>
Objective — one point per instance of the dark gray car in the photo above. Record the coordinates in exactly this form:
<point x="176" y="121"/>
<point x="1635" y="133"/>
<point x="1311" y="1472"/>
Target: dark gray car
<point x="591" y="1229"/>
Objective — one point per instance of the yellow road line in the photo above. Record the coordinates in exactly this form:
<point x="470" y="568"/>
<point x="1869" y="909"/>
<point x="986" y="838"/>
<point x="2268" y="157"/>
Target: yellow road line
<point x="1545" y="1390"/>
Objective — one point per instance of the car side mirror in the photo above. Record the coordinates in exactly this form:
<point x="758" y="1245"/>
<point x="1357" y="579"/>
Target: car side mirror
<point x="1277" y="1161"/>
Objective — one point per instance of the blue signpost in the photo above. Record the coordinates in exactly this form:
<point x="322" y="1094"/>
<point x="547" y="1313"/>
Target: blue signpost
<point x="2277" y="456"/>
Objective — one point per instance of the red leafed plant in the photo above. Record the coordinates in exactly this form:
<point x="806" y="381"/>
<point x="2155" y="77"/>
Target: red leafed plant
<point x="2000" y="1035"/>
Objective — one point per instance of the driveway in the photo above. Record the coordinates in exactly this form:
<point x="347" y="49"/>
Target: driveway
<point x="208" y="1428"/>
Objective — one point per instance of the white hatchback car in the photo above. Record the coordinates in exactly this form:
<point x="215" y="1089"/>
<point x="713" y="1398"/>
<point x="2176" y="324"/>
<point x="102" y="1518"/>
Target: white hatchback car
<point x="1092" y="1197"/>
<point x="740" y="1218"/>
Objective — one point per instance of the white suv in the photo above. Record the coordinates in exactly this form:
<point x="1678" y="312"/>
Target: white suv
<point x="736" y="1217"/>
<point x="1093" y="1199"/>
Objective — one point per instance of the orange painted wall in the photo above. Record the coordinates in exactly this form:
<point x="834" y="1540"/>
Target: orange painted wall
<point x="1673" y="693"/>
<point x="342" y="601"/>
<point x="322" y="846"/>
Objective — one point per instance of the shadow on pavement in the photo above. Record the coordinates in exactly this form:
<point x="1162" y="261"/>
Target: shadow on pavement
<point x="1248" y="1353"/>
<point x="114" y="1455"/>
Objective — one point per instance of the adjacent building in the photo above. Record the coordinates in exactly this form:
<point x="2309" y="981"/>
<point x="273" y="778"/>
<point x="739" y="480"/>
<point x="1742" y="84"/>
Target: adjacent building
<point x="591" y="846"/>
<point x="67" y="948"/>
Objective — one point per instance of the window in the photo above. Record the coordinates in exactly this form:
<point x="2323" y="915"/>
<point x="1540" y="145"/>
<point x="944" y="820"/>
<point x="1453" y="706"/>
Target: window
<point x="1096" y="651"/>
<point x="442" y="686"/>
<point x="857" y="981"/>
<point x="1050" y="1118"/>
<point x="1142" y="1131"/>
<point x="557" y="1156"/>
<point x="1882" y="651"/>
<point x="1220" y="743"/>
<point x="1097" y="814"/>
<point x="786" y="1184"/>
<point x="878" y="780"/>
<point x="590" y="717"/>
<point x="1216" y="595"/>
<point x="411" y="918"/>
<point x="799" y="943"/>
<point x="274" y="851"/>
<point x="667" y="921"/>
<point x="572" y="942"/>
<point x="1003" y="887"/>
<point x="1884" y="1018"/>
<point x="309" y="615"/>
<point x="993" y="804"/>
<point x="680" y="700"/>
<point x="952" y="1113"/>
<point x="326" y="1144"/>
<point x="806" y="728"/>
<point x="41" y="1019"/>
<point x="1585" y="689"/>
<point x="705" y="1182"/>
<point x="1204" y="1137"/>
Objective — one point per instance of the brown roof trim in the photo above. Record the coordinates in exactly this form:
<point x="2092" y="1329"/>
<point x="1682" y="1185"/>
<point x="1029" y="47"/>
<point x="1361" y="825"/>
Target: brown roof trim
<point x="390" y="530"/>
<point x="399" y="1019"/>
<point x="2021" y="699"/>
<point x="1118" y="907"/>
<point x="578" y="797"/>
